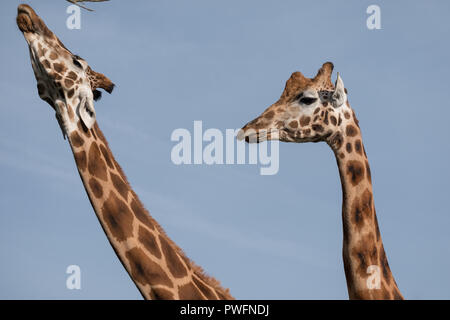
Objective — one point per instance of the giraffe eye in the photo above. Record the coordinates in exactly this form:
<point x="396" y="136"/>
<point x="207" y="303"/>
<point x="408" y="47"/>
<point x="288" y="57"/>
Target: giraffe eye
<point x="307" y="100"/>
<point x="76" y="62"/>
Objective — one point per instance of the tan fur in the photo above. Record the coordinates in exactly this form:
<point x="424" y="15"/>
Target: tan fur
<point x="316" y="119"/>
<point x="158" y="267"/>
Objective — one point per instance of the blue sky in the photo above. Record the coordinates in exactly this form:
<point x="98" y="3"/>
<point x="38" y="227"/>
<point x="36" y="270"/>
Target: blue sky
<point x="224" y="62"/>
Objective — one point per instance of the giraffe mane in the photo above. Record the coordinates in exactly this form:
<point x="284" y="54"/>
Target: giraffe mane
<point x="199" y="271"/>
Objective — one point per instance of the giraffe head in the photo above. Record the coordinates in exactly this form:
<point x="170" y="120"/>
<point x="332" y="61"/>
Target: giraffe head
<point x="309" y="110"/>
<point x="64" y="80"/>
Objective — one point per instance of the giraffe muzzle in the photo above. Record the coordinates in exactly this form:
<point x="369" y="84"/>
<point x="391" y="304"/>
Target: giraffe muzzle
<point x="24" y="19"/>
<point x="29" y="22"/>
<point x="257" y="136"/>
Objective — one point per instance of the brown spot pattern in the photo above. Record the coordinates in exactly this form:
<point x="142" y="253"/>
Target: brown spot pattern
<point x="350" y="130"/>
<point x="207" y="292"/>
<point x="149" y="242"/>
<point x="106" y="155"/>
<point x="72" y="76"/>
<point x="361" y="211"/>
<point x="145" y="271"/>
<point x="141" y="214"/>
<point x="70" y="93"/>
<point x="69" y="83"/>
<point x="333" y="120"/>
<point x="269" y="115"/>
<point x="81" y="160"/>
<point x="120" y="186"/>
<point x="53" y="55"/>
<point x="364" y="254"/>
<point x="355" y="171"/>
<point x="189" y="291"/>
<point x="347" y="115"/>
<point x="46" y="64"/>
<point x="362" y="263"/>
<point x="76" y="140"/>
<point x="70" y="112"/>
<point x="176" y="267"/>
<point x="317" y="127"/>
<point x="96" y="187"/>
<point x="118" y="217"/>
<point x="293" y="124"/>
<point x="348" y="147"/>
<point x="59" y="67"/>
<point x="96" y="165"/>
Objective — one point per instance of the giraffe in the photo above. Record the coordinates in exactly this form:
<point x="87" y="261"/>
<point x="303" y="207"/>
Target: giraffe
<point x="313" y="110"/>
<point x="157" y="266"/>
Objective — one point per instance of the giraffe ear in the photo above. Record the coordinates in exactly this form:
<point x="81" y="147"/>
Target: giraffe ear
<point x="86" y="112"/>
<point x="339" y="95"/>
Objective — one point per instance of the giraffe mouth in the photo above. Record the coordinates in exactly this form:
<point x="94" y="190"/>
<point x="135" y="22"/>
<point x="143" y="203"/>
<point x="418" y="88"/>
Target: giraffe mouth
<point x="257" y="136"/>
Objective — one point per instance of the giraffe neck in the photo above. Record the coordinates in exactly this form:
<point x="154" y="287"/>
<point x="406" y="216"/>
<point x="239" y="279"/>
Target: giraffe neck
<point x="156" y="265"/>
<point x="366" y="267"/>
